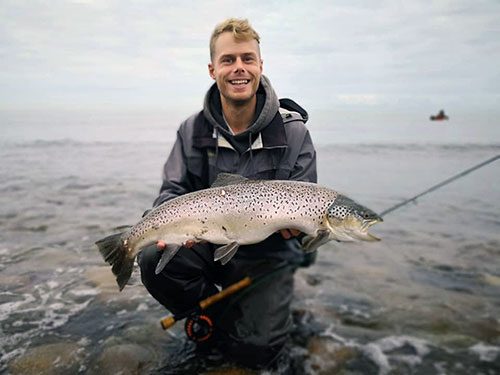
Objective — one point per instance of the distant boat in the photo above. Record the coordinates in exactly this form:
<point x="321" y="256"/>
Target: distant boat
<point x="440" y="116"/>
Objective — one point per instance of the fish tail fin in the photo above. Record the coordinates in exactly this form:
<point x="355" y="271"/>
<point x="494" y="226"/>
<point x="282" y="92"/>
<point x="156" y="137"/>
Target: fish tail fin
<point x="114" y="251"/>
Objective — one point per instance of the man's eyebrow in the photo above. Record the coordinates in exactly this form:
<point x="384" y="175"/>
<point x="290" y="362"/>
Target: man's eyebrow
<point x="234" y="54"/>
<point x="226" y="55"/>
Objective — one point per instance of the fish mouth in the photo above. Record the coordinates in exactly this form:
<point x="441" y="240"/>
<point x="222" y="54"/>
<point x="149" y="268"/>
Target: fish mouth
<point x="353" y="228"/>
<point x="363" y="232"/>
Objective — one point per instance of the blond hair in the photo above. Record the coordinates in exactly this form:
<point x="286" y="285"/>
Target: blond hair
<point x="240" y="28"/>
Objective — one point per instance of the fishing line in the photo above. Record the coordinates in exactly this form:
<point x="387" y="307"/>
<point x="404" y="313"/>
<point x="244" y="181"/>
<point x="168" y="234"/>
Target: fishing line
<point x="441" y="184"/>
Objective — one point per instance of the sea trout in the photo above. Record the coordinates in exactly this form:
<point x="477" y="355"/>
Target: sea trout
<point x="236" y="211"/>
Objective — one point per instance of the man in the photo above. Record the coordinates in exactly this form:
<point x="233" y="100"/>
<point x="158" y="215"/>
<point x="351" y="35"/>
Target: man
<point x="243" y="129"/>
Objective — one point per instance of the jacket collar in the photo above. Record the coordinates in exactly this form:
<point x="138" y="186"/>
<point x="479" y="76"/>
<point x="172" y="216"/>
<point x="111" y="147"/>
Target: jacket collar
<point x="271" y="136"/>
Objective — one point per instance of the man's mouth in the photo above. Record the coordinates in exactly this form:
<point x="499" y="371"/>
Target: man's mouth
<point x="239" y="81"/>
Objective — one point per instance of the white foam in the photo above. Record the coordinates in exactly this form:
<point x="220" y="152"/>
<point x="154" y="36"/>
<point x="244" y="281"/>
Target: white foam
<point x="391" y="343"/>
<point x="8" y="307"/>
<point x="486" y="353"/>
<point x="52" y="284"/>
<point x="84" y="341"/>
<point x="375" y="353"/>
<point x="85" y="292"/>
<point x="329" y="332"/>
<point x="4" y="251"/>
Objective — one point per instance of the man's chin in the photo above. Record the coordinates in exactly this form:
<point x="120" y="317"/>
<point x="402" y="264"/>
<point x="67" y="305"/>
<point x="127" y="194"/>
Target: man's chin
<point x="240" y="100"/>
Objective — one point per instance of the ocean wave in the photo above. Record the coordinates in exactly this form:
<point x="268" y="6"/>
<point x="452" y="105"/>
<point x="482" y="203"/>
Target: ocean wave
<point x="70" y="142"/>
<point x="373" y="147"/>
<point x="365" y="146"/>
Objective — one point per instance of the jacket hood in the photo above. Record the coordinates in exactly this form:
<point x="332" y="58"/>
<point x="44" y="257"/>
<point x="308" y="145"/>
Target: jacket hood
<point x="267" y="106"/>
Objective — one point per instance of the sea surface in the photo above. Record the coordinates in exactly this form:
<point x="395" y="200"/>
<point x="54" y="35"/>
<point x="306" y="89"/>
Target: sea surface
<point x="423" y="300"/>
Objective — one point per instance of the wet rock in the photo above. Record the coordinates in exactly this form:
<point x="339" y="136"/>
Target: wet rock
<point x="305" y="326"/>
<point x="150" y="334"/>
<point x="327" y="357"/>
<point x="492" y="280"/>
<point x="11" y="282"/>
<point x="313" y="280"/>
<point x="125" y="359"/>
<point x="52" y="359"/>
<point x="230" y="371"/>
<point x="103" y="278"/>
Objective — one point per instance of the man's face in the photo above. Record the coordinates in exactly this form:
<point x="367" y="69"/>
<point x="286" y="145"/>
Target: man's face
<point x="236" y="67"/>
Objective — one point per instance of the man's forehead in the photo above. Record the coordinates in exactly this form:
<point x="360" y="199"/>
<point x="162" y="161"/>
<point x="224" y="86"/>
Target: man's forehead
<point x="226" y="44"/>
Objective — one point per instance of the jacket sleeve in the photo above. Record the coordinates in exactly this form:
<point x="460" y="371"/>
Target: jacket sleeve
<point x="300" y="156"/>
<point x="304" y="168"/>
<point x="175" y="176"/>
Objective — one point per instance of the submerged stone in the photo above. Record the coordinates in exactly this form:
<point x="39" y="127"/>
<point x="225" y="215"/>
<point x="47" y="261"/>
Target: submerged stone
<point x="51" y="359"/>
<point x="123" y="359"/>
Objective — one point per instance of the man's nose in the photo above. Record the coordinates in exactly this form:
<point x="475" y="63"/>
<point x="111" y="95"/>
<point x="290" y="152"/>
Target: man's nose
<point x="238" y="65"/>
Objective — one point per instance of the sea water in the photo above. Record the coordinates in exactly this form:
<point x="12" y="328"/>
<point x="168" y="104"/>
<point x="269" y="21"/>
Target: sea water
<point x="424" y="300"/>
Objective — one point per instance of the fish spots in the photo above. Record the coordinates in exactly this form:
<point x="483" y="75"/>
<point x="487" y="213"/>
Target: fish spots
<point x="248" y="204"/>
<point x="338" y="212"/>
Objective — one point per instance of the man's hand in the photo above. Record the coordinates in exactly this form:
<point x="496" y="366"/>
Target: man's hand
<point x="161" y="245"/>
<point x="289" y="233"/>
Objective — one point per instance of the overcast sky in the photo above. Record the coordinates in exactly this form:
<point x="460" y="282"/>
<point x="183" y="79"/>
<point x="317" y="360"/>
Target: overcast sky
<point x="382" y="55"/>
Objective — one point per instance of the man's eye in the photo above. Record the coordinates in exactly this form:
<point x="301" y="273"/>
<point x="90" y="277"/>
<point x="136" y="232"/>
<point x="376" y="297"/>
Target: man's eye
<point x="226" y="60"/>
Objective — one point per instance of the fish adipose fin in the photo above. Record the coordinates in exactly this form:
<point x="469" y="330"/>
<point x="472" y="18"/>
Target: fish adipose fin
<point x="225" y="179"/>
<point x="114" y="252"/>
<point x="226" y="252"/>
<point x="310" y="244"/>
<point x="168" y="254"/>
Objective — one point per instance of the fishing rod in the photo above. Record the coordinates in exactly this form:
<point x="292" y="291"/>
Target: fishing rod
<point x="441" y="184"/>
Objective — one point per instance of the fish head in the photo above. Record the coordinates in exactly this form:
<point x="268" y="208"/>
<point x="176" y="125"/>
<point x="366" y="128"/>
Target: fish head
<point x="350" y="221"/>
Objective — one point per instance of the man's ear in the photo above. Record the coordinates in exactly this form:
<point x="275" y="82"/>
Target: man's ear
<point x="211" y="70"/>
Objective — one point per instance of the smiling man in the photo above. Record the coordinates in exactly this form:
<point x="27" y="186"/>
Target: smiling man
<point x="243" y="129"/>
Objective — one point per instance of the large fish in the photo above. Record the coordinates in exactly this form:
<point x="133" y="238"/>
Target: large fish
<point x="236" y="211"/>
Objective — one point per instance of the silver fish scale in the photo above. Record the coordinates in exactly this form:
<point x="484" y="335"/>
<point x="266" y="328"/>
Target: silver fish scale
<point x="255" y="200"/>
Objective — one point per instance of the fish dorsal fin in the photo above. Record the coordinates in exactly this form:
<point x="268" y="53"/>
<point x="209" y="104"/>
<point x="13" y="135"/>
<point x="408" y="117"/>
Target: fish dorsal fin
<point x="224" y="179"/>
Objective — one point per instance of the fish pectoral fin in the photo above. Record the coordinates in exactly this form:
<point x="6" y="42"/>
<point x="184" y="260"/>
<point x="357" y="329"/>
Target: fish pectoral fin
<point x="168" y="254"/>
<point x="226" y="252"/>
<point x="310" y="244"/>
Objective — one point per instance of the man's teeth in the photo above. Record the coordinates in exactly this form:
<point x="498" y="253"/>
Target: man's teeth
<point x="239" y="81"/>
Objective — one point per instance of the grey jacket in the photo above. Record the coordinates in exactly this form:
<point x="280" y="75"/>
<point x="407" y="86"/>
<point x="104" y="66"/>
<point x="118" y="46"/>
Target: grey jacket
<point x="278" y="146"/>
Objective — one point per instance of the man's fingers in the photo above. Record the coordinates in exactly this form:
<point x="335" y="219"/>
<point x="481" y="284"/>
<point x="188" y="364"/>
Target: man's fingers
<point x="285" y="233"/>
<point x="189" y="243"/>
<point x="289" y="233"/>
<point x="161" y="245"/>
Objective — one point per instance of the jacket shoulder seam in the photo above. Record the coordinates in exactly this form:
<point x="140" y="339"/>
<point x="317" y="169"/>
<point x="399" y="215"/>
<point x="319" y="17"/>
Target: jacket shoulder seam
<point x="289" y="116"/>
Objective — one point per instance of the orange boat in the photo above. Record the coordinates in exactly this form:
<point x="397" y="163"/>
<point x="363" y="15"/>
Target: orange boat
<point x="440" y="116"/>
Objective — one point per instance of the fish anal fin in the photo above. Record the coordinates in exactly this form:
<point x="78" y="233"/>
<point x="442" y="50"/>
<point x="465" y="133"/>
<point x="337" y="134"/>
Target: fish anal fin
<point x="225" y="179"/>
<point x="226" y="252"/>
<point x="167" y="254"/>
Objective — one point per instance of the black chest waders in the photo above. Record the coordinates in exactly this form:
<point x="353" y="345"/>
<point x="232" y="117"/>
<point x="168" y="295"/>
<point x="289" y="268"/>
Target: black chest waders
<point x="199" y="326"/>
